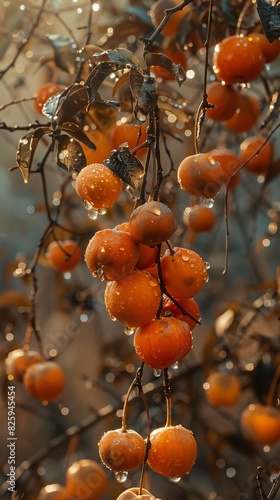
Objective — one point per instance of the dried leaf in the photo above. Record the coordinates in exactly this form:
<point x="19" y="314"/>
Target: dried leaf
<point x="75" y="131"/>
<point x="153" y="59"/>
<point x="125" y="165"/>
<point x="71" y="101"/>
<point x="26" y="150"/>
<point x="123" y="56"/>
<point x="65" y="53"/>
<point x="97" y="77"/>
<point x="50" y="106"/>
<point x="270" y="19"/>
<point x="144" y="91"/>
<point x="70" y="155"/>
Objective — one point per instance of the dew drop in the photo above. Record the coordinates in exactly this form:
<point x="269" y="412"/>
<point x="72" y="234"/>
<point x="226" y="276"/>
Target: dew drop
<point x="92" y="214"/>
<point x="102" y="211"/>
<point x="157" y="373"/>
<point x="185" y="258"/>
<point x="121" y="477"/>
<point x="74" y="175"/>
<point x="129" y="331"/>
<point x="175" y="479"/>
<point x="113" y="318"/>
<point x="87" y="205"/>
<point x="208" y="202"/>
<point x="175" y="365"/>
<point x="207" y="265"/>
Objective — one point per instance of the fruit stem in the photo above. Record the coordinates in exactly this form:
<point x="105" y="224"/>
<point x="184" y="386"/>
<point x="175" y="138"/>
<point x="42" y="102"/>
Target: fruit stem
<point x="167" y="395"/>
<point x="136" y="383"/>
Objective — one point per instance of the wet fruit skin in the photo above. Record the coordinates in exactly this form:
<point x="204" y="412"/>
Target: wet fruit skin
<point x="225" y="99"/>
<point x="247" y="115"/>
<point x="261" y="424"/>
<point x="199" y="218"/>
<point x="98" y="185"/>
<point x="64" y="255"/>
<point x="122" y="450"/>
<point x="190" y="306"/>
<point x="86" y="480"/>
<point x="111" y="254"/>
<point x="19" y="360"/>
<point x="238" y="59"/>
<point x="270" y="50"/>
<point x="200" y="175"/>
<point x="173" y="451"/>
<point x="134" y="494"/>
<point x="230" y="162"/>
<point x="44" y="93"/>
<point x="134" y="299"/>
<point x="223" y="389"/>
<point x="184" y="272"/>
<point x="53" y="492"/>
<point x="152" y="223"/>
<point x="162" y="342"/>
<point x="260" y="163"/>
<point x="44" y="380"/>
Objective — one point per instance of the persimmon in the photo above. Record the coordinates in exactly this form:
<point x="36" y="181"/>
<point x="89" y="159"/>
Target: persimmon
<point x="152" y="223"/>
<point x="98" y="186"/>
<point x="247" y="115"/>
<point x="132" y="134"/>
<point x="162" y="342"/>
<point x="44" y="380"/>
<point x="157" y="13"/>
<point x="199" y="218"/>
<point x="261" y="424"/>
<point x="134" y="494"/>
<point x="260" y="163"/>
<point x="86" y="480"/>
<point x="44" y="93"/>
<point x="133" y="300"/>
<point x="64" y="255"/>
<point x="103" y="147"/>
<point x="238" y="59"/>
<point x="53" y="492"/>
<point x="189" y="305"/>
<point x="200" y="175"/>
<point x="270" y="50"/>
<point x="184" y="272"/>
<point x="222" y="389"/>
<point x="230" y="162"/>
<point x="173" y="451"/>
<point x="147" y="255"/>
<point x="225" y="99"/>
<point x="122" y="450"/>
<point x="19" y="360"/>
<point x="111" y="254"/>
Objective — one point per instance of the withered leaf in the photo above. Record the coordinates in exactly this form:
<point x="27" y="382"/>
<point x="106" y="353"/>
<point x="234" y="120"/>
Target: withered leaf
<point x="26" y="150"/>
<point x="65" y="53"/>
<point x="153" y="59"/>
<point x="75" y="131"/>
<point x="144" y="92"/>
<point x="125" y="165"/>
<point x="270" y="19"/>
<point x="49" y="108"/>
<point x="97" y="77"/>
<point x="71" y="101"/>
<point x="123" y="56"/>
<point x="70" y="155"/>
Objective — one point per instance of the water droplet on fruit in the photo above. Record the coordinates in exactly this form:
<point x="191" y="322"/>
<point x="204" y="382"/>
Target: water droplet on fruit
<point x="208" y="202"/>
<point x="175" y="479"/>
<point x="87" y="205"/>
<point x="157" y="373"/>
<point x="74" y="175"/>
<point x="121" y="477"/>
<point x="185" y="258"/>
<point x="92" y="214"/>
<point x="175" y="365"/>
<point x="207" y="265"/>
<point x="129" y="331"/>
<point x="102" y="211"/>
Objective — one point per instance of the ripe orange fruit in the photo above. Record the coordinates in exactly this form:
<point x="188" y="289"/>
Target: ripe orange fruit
<point x="103" y="147"/>
<point x="230" y="162"/>
<point x="190" y="306"/>
<point x="130" y="133"/>
<point x="19" y="360"/>
<point x="147" y="255"/>
<point x="261" y="424"/>
<point x="86" y="480"/>
<point x="199" y="218"/>
<point x="44" y="93"/>
<point x="152" y="223"/>
<point x="173" y="451"/>
<point x="134" y="494"/>
<point x="238" y="59"/>
<point x="270" y="50"/>
<point x="44" y="380"/>
<point x="122" y="450"/>
<point x="97" y="185"/>
<point x="260" y="163"/>
<point x="200" y="175"/>
<point x="157" y="14"/>
<point x="184" y="272"/>
<point x="247" y="115"/>
<point x="222" y="389"/>
<point x="111" y="254"/>
<point x="64" y="255"/>
<point x="162" y="342"/>
<point x="133" y="300"/>
<point x="225" y="98"/>
<point x="53" y="492"/>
